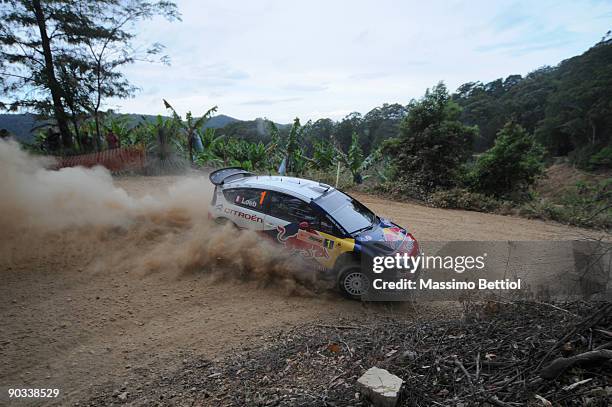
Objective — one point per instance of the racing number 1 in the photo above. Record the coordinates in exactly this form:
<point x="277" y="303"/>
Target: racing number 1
<point x="262" y="197"/>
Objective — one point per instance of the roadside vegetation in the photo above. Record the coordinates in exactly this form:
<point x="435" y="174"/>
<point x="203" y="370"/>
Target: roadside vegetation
<point x="483" y="147"/>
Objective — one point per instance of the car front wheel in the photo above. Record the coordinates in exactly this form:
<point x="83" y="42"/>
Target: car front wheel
<point x="352" y="283"/>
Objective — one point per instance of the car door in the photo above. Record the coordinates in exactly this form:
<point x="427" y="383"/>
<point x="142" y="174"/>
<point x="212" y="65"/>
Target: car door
<point x="245" y="207"/>
<point x="285" y="213"/>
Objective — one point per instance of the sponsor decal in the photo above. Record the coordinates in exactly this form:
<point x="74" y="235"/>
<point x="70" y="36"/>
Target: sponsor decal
<point x="240" y="200"/>
<point x="308" y="244"/>
<point x="247" y="216"/>
<point x="398" y="240"/>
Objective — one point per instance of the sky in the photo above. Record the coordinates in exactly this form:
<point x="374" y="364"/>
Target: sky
<point x="314" y="59"/>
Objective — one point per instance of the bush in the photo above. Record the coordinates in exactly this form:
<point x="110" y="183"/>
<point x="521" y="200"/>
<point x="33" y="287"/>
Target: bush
<point x="509" y="167"/>
<point x="585" y="205"/>
<point x="459" y="198"/>
<point x="602" y="159"/>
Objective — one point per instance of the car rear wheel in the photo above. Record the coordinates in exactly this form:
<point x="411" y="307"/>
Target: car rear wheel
<point x="352" y="283"/>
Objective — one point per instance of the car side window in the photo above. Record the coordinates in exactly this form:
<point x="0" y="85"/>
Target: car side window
<point x="249" y="198"/>
<point x="295" y="210"/>
<point x="326" y="226"/>
<point x="291" y="209"/>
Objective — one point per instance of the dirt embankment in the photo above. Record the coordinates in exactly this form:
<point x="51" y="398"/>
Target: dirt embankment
<point x="100" y="286"/>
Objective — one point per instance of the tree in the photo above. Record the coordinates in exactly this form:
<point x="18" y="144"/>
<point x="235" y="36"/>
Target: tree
<point x="293" y="152"/>
<point x="510" y="166"/>
<point x="164" y="143"/>
<point x="51" y="48"/>
<point x="432" y="146"/>
<point x="191" y="125"/>
<point x="354" y="160"/>
<point x="380" y="124"/>
<point x="343" y="132"/>
<point x="320" y="131"/>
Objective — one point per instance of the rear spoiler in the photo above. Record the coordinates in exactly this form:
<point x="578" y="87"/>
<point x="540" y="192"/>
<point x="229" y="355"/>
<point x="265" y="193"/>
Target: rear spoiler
<point x="220" y="176"/>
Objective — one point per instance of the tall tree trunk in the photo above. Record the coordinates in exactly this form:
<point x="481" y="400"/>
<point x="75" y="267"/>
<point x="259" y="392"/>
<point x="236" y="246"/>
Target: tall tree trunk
<point x="56" y="93"/>
<point x="77" y="137"/>
<point x="98" y="135"/>
<point x="190" y="144"/>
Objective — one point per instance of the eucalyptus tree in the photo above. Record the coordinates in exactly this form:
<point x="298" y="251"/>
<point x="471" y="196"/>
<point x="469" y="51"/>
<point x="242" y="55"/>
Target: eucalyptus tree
<point x="50" y="49"/>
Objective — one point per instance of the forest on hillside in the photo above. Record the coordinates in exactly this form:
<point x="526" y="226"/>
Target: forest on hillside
<point x="567" y="107"/>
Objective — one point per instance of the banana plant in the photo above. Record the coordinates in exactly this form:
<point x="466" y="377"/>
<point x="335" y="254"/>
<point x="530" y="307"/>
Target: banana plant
<point x="191" y="124"/>
<point x="120" y="126"/>
<point x="165" y="144"/>
<point x="323" y="155"/>
<point x="210" y="142"/>
<point x="354" y="160"/>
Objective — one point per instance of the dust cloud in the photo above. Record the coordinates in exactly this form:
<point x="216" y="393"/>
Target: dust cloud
<point x="80" y="212"/>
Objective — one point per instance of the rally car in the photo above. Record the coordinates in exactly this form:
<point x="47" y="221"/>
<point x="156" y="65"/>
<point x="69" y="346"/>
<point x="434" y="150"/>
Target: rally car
<point x="310" y="218"/>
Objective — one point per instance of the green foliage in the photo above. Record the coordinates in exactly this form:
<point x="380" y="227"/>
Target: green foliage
<point x="432" y="146"/>
<point x="62" y="58"/>
<point x="165" y="145"/>
<point x="567" y="107"/>
<point x="588" y="204"/>
<point x="212" y="145"/>
<point x="601" y="159"/>
<point x="323" y="155"/>
<point x="510" y="166"/>
<point x="460" y="198"/>
<point x="191" y="125"/>
<point x="237" y="152"/>
<point x="354" y="160"/>
<point x="292" y="149"/>
<point x="121" y="126"/>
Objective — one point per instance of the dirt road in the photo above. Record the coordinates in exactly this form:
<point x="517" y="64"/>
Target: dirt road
<point x="81" y="308"/>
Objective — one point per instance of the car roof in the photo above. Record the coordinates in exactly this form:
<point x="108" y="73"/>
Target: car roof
<point x="302" y="188"/>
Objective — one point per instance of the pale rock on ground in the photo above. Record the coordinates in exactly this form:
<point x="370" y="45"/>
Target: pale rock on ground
<point x="380" y="387"/>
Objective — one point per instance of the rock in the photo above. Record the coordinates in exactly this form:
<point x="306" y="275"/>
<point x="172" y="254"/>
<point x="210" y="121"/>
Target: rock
<point x="409" y="355"/>
<point x="380" y="387"/>
<point x="123" y="396"/>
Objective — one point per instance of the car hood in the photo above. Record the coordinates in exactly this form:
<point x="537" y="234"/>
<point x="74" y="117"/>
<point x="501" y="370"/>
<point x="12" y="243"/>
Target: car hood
<point x="393" y="236"/>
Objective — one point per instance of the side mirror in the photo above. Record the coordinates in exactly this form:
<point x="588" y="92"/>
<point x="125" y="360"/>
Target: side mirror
<point x="305" y="225"/>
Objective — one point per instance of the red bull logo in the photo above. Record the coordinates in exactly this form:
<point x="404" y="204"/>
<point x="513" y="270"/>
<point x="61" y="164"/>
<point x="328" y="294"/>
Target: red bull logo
<point x="400" y="241"/>
<point x="307" y="243"/>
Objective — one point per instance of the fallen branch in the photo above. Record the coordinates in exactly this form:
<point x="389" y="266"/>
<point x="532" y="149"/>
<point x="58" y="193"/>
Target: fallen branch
<point x="559" y="365"/>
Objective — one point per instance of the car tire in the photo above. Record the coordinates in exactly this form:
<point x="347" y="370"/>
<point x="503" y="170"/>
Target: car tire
<point x="352" y="283"/>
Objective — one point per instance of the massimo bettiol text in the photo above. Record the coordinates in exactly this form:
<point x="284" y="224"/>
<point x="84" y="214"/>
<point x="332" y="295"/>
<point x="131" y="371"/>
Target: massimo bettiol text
<point x="401" y="271"/>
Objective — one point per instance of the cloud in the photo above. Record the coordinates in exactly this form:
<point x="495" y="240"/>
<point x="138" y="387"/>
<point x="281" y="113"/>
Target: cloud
<point x="296" y="87"/>
<point x="269" y="58"/>
<point x="510" y="18"/>
<point x="269" y="101"/>
<point x="535" y="41"/>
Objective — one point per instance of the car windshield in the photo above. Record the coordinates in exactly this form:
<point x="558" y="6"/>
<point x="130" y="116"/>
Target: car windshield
<point x="349" y="213"/>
